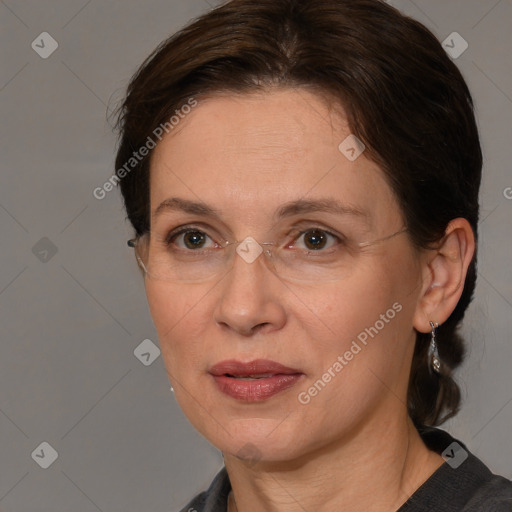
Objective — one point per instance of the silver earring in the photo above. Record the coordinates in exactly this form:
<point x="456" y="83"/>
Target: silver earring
<point x="434" y="362"/>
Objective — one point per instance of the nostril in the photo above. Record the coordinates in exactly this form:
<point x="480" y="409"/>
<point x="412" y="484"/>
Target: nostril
<point x="258" y="327"/>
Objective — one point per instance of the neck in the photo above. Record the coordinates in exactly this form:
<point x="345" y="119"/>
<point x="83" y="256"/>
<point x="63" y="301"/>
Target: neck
<point x="378" y="470"/>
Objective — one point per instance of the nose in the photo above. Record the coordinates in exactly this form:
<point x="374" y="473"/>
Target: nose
<point x="249" y="297"/>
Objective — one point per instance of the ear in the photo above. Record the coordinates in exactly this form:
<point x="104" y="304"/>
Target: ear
<point x="444" y="274"/>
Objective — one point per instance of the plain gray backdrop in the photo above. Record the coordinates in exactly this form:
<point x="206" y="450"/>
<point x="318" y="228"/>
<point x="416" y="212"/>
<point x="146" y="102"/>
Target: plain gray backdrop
<point x="72" y="303"/>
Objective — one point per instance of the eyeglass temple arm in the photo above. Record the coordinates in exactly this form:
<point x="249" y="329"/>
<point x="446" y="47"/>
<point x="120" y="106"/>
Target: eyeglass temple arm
<point x="383" y="239"/>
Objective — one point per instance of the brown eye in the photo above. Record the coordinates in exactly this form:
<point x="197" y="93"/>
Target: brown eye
<point x="188" y="238"/>
<point x="315" y="239"/>
<point x="194" y="239"/>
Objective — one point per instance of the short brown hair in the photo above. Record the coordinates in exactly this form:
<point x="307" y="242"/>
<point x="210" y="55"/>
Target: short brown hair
<point x="403" y="96"/>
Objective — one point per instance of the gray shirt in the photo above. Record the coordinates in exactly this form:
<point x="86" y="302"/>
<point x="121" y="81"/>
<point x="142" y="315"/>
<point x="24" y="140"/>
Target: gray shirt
<point x="462" y="484"/>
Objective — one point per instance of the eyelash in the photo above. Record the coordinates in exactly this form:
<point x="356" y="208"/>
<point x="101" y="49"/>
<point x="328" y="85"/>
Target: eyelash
<point x="183" y="230"/>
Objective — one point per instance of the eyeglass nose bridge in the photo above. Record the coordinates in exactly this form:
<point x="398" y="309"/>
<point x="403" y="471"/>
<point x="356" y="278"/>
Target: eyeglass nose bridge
<point x="250" y="249"/>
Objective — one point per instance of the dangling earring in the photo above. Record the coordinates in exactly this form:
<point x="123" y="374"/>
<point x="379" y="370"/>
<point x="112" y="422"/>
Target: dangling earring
<point x="434" y="362"/>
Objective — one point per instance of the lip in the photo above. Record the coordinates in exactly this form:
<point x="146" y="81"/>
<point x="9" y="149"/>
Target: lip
<point x="278" y="378"/>
<point x="258" y="366"/>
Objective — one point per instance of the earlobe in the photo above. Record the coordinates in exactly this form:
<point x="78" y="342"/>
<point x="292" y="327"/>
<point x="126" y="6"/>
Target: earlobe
<point x="445" y="271"/>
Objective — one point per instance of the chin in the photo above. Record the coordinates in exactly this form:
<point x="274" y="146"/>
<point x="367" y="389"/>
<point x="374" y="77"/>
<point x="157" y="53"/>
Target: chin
<point x="256" y="440"/>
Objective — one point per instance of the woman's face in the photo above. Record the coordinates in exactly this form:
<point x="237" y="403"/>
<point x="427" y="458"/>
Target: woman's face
<point x="346" y="334"/>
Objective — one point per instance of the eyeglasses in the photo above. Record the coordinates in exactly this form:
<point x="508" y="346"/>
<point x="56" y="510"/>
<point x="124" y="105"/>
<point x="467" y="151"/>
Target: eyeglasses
<point x="201" y="259"/>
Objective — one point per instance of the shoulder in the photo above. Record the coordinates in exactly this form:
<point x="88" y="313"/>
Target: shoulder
<point x="214" y="499"/>
<point x="462" y="484"/>
<point x="495" y="495"/>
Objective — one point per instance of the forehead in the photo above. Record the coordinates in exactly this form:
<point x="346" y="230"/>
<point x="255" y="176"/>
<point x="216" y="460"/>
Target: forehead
<point x="247" y="154"/>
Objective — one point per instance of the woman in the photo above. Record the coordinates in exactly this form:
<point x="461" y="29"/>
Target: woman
<point x="302" y="178"/>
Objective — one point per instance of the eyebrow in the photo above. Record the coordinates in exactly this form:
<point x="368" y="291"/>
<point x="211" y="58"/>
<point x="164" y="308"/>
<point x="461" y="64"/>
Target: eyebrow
<point x="298" y="207"/>
<point x="187" y="206"/>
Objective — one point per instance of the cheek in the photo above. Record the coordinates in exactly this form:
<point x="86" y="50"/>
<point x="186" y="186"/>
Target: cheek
<point x="344" y="308"/>
<point x="179" y="318"/>
<point x="372" y="308"/>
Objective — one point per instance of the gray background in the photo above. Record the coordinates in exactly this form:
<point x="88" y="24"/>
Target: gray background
<point x="70" y="321"/>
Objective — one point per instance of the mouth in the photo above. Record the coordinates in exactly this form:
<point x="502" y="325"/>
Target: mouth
<point x="259" y="368"/>
<point x="252" y="377"/>
<point x="254" y="381"/>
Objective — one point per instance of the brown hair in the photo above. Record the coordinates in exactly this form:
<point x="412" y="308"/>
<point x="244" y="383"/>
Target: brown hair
<point x="403" y="96"/>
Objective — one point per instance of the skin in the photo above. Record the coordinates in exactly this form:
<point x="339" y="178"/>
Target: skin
<point x="352" y="446"/>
